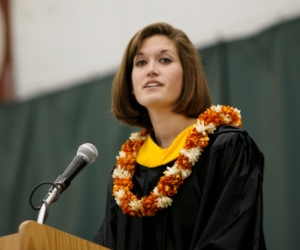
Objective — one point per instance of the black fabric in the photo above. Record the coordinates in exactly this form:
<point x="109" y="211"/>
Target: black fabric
<point x="218" y="207"/>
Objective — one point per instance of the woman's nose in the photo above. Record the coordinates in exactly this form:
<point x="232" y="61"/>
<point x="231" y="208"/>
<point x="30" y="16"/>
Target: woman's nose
<point x="152" y="69"/>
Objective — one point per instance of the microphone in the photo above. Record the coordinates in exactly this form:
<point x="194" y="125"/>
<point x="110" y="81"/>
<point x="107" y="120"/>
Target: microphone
<point x="87" y="153"/>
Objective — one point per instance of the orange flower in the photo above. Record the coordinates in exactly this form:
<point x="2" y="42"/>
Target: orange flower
<point x="169" y="185"/>
<point x="183" y="162"/>
<point x="149" y="205"/>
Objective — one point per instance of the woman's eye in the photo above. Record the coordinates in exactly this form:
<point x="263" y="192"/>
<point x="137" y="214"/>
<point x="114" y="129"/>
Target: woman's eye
<point x="165" y="60"/>
<point x="140" y="63"/>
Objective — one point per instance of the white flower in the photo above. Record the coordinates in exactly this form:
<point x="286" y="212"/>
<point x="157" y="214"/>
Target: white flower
<point x="120" y="173"/>
<point x="240" y="117"/>
<point x="122" y="154"/>
<point x="135" y="136"/>
<point x="175" y="170"/>
<point x="193" y="154"/>
<point x="118" y="195"/>
<point x="164" y="202"/>
<point x="185" y="173"/>
<point x="201" y="128"/>
<point x="238" y="111"/>
<point x="118" y="201"/>
<point x="155" y="191"/>
<point x="227" y="118"/>
<point x="236" y="124"/>
<point x="217" y="108"/>
<point x="135" y="205"/>
<point x="172" y="170"/>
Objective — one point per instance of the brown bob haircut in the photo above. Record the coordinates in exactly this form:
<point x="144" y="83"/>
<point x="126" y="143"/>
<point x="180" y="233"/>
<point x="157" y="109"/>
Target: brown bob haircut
<point x="195" y="96"/>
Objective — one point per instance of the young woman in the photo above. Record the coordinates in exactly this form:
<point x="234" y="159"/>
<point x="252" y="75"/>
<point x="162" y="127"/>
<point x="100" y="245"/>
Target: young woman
<point x="191" y="178"/>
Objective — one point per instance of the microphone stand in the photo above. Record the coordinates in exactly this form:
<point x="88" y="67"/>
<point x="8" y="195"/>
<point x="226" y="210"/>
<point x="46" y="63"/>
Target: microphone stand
<point x="52" y="196"/>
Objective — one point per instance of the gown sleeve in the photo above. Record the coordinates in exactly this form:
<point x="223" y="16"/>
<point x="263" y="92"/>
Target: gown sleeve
<point x="230" y="214"/>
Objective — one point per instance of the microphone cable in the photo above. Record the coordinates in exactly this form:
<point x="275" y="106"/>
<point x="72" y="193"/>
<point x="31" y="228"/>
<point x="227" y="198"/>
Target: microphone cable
<point x="44" y="200"/>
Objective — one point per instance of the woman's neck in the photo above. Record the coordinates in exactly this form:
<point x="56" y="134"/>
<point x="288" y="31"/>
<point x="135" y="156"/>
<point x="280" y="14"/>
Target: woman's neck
<point x="167" y="126"/>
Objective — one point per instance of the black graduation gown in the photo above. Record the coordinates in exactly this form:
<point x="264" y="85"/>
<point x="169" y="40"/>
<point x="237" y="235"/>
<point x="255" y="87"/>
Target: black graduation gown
<point x="219" y="206"/>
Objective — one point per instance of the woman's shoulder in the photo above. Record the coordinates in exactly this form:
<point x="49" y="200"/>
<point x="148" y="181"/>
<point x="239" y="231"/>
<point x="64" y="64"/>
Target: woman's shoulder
<point x="232" y="138"/>
<point x="226" y="133"/>
<point x="229" y="130"/>
<point x="232" y="150"/>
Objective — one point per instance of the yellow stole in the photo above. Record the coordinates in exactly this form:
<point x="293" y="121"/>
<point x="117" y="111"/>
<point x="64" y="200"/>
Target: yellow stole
<point x="151" y="155"/>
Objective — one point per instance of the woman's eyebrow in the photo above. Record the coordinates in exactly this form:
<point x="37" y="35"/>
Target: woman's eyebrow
<point x="140" y="53"/>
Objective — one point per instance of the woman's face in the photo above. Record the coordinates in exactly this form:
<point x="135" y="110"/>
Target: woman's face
<point x="157" y="73"/>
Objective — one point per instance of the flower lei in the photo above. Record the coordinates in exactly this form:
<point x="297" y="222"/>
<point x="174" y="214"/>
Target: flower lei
<point x="168" y="185"/>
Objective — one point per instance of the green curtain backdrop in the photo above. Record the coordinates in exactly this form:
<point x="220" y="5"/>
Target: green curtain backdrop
<point x="39" y="138"/>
